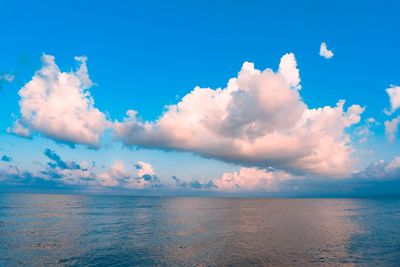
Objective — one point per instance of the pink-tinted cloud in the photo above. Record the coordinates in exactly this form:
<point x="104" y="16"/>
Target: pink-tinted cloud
<point x="394" y="99"/>
<point x="259" y="120"/>
<point x="59" y="105"/>
<point x="324" y="51"/>
<point x="391" y="127"/>
<point x="252" y="179"/>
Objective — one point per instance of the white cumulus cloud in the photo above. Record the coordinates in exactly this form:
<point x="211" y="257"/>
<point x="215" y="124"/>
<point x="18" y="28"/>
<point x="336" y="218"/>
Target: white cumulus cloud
<point x="59" y="105"/>
<point x="394" y="99"/>
<point x="144" y="168"/>
<point x="252" y="179"/>
<point x="325" y="52"/>
<point x="142" y="177"/>
<point x="258" y="120"/>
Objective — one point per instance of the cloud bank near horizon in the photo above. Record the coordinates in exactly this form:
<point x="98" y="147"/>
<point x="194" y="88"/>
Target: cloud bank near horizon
<point x="58" y="173"/>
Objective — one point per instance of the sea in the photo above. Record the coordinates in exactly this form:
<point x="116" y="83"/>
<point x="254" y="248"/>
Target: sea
<point x="89" y="230"/>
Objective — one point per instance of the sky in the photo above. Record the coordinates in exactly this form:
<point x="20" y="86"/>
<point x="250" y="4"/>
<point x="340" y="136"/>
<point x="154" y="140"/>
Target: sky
<point x="264" y="98"/>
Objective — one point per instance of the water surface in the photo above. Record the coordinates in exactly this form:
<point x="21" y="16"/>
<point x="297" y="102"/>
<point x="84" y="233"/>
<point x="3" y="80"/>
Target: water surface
<point x="78" y="230"/>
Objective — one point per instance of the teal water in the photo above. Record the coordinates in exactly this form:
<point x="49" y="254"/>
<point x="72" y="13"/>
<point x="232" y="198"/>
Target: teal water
<point x="76" y="230"/>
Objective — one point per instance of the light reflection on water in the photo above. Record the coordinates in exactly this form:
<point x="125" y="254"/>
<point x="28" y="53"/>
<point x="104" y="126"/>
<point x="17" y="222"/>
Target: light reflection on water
<point x="73" y="230"/>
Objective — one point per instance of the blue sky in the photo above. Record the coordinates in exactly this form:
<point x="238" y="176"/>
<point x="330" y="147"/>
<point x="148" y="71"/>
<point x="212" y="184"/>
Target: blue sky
<point x="146" y="55"/>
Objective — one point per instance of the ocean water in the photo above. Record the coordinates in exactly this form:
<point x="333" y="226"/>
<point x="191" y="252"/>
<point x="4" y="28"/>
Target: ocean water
<point x="77" y="230"/>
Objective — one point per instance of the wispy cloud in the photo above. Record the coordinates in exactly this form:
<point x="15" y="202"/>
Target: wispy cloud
<point x="7" y="77"/>
<point x="195" y="184"/>
<point x="365" y="131"/>
<point x="391" y="127"/>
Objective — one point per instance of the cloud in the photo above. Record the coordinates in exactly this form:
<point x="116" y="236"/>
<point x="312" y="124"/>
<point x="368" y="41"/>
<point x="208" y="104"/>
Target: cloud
<point x="194" y="184"/>
<point x="58" y="105"/>
<point x="258" y="120"/>
<point x="118" y="175"/>
<point x="288" y="69"/>
<point x="11" y="174"/>
<point x="325" y="52"/>
<point x="6" y="158"/>
<point x="391" y="128"/>
<point x="19" y="129"/>
<point x="376" y="178"/>
<point x="364" y="131"/>
<point x="394" y="99"/>
<point x="58" y="162"/>
<point x="59" y="172"/>
<point x="144" y="168"/>
<point x="381" y="170"/>
<point x="72" y="173"/>
<point x="380" y="177"/>
<point x="7" y="77"/>
<point x="252" y="179"/>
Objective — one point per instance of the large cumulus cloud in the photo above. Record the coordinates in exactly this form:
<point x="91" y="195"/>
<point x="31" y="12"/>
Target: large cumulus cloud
<point x="258" y="120"/>
<point x="59" y="105"/>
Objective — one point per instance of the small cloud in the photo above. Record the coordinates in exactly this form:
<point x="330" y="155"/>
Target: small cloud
<point x="325" y="52"/>
<point x="19" y="129"/>
<point x="196" y="184"/>
<point x="57" y="162"/>
<point x="179" y="182"/>
<point x="7" y="77"/>
<point x="364" y="131"/>
<point x="6" y="158"/>
<point x="144" y="168"/>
